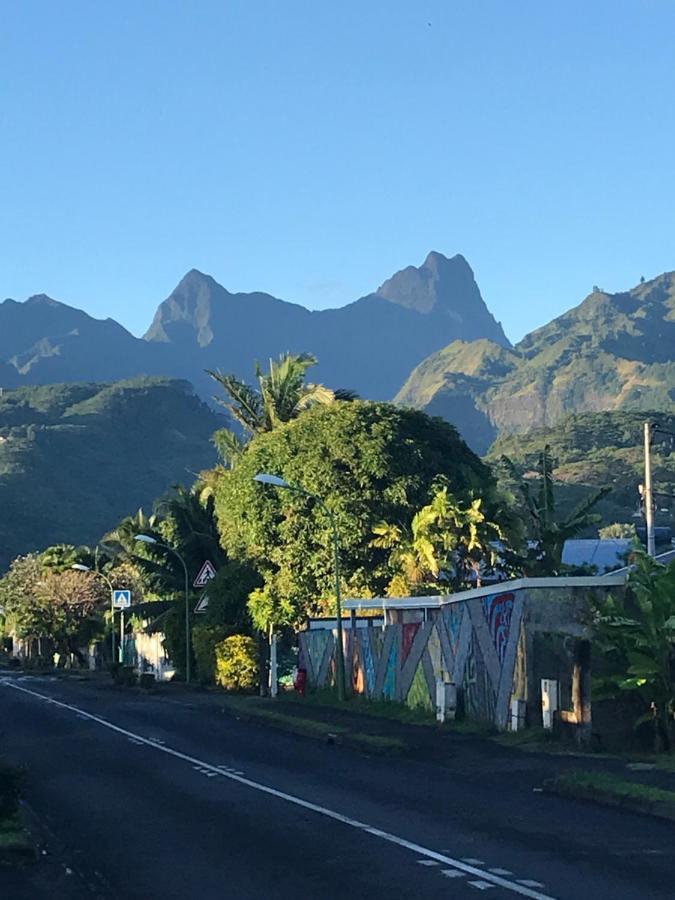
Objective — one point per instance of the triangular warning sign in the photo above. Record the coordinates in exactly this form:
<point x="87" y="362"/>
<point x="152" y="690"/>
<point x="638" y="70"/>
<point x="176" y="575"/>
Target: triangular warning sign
<point x="206" y="573"/>
<point x="203" y="604"/>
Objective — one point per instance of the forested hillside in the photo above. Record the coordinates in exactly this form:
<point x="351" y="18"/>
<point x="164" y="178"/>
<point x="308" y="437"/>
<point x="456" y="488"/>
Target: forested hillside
<point x="75" y="458"/>
<point x="596" y="450"/>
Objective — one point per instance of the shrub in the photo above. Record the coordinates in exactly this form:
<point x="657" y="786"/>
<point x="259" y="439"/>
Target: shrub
<point x="237" y="663"/>
<point x="205" y="639"/>
<point x="11" y="781"/>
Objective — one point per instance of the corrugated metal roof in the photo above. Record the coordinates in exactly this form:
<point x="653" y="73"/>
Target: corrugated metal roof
<point x="604" y="554"/>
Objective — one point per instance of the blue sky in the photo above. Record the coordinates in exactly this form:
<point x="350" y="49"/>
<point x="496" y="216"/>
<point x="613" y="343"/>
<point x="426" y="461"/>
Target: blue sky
<point x="310" y="149"/>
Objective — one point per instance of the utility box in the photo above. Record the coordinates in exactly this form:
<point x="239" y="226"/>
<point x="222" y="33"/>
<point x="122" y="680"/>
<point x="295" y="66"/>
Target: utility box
<point x="549" y="701"/>
<point x="518" y="708"/>
<point x="446" y="700"/>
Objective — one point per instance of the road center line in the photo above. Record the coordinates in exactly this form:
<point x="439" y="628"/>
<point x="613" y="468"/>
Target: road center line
<point x="296" y="801"/>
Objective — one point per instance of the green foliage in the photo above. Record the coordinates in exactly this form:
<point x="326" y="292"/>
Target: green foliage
<point x="447" y="547"/>
<point x="281" y="395"/>
<point x="638" y="634"/>
<point x="11" y="783"/>
<point x="62" y="606"/>
<point x="237" y="663"/>
<point x="173" y="624"/>
<point x="185" y="524"/>
<point x="74" y="459"/>
<point x="546" y="531"/>
<point x="369" y="462"/>
<point x="60" y="557"/>
<point x="205" y="639"/>
<point x="598" y="450"/>
<point x="618" y="531"/>
<point x="228" y="596"/>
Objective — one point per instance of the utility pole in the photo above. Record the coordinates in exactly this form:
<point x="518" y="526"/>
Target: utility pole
<point x="648" y="497"/>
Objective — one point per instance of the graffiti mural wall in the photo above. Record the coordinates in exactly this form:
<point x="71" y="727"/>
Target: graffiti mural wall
<point x="472" y="643"/>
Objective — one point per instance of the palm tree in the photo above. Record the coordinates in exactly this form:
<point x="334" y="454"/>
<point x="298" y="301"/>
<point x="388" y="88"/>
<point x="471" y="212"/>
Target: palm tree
<point x="189" y="522"/>
<point x="122" y="539"/>
<point x="447" y="545"/>
<point x="281" y="395"/>
<point x="547" y="534"/>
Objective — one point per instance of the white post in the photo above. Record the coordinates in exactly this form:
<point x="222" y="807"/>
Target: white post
<point x="549" y="701"/>
<point x="274" y="684"/>
<point x="517" y="715"/>
<point x="446" y="700"/>
<point x="121" y="656"/>
<point x="648" y="496"/>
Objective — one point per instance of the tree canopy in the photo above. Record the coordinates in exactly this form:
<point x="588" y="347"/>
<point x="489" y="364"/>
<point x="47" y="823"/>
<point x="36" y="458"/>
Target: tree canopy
<point x="369" y="462"/>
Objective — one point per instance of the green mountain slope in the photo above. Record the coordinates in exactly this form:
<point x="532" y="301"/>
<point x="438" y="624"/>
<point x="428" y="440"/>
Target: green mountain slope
<point x="613" y="351"/>
<point x="75" y="458"/>
<point x="600" y="449"/>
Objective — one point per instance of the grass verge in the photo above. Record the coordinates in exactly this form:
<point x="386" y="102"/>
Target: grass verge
<point x="15" y="842"/>
<point x="611" y="790"/>
<point x="386" y="709"/>
<point x="255" y="709"/>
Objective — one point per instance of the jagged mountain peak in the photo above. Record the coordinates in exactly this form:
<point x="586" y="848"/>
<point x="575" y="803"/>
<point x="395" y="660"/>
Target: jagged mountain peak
<point x="44" y="300"/>
<point x="439" y="282"/>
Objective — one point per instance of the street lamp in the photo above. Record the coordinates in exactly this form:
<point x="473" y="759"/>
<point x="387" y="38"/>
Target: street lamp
<point x="80" y="567"/>
<point x="276" y="481"/>
<point x="147" y="539"/>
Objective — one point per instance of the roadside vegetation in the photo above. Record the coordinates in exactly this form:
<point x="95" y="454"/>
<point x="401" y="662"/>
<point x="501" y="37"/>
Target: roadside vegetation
<point x="416" y="510"/>
<point x="15" y="842"/>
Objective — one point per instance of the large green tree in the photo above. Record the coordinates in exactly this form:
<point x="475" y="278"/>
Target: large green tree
<point x="369" y="462"/>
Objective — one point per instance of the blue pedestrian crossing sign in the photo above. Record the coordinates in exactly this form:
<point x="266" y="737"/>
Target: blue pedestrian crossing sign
<point x="122" y="599"/>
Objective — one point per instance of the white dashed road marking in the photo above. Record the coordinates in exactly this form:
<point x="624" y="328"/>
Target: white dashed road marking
<point x="473" y="862"/>
<point x="486" y="879"/>
<point x="453" y="873"/>
<point x="500" y="871"/>
<point x="529" y="883"/>
<point x="427" y="862"/>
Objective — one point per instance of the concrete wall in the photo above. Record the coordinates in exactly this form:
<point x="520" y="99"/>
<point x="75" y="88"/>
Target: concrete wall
<point x="485" y="645"/>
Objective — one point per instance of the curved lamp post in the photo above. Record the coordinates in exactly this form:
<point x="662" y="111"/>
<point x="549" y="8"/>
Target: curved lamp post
<point x="265" y="478"/>
<point x="147" y="539"/>
<point x="80" y="567"/>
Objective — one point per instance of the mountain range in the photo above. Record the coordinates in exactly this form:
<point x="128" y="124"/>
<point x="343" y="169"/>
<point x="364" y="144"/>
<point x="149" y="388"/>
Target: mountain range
<point x="425" y="338"/>
<point x="369" y="346"/>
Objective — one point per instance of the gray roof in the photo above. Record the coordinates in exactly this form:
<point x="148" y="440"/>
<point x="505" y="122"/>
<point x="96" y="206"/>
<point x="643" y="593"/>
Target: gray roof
<point x="604" y="554"/>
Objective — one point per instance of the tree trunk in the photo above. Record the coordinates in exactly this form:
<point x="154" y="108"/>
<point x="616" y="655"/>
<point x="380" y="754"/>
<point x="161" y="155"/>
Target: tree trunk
<point x="581" y="691"/>
<point x="263" y="656"/>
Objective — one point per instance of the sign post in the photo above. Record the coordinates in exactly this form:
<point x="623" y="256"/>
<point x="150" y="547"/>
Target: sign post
<point x="122" y="601"/>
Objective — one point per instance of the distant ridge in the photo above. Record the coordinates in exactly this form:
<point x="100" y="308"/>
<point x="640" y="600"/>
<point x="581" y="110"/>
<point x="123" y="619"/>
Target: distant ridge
<point x="369" y="346"/>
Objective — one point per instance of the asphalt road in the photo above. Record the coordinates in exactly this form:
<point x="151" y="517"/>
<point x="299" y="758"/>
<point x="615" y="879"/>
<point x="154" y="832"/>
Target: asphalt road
<point x="140" y="797"/>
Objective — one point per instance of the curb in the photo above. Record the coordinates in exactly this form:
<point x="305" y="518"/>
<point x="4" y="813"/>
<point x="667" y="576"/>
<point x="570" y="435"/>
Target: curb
<point x="656" y="809"/>
<point x="336" y="738"/>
